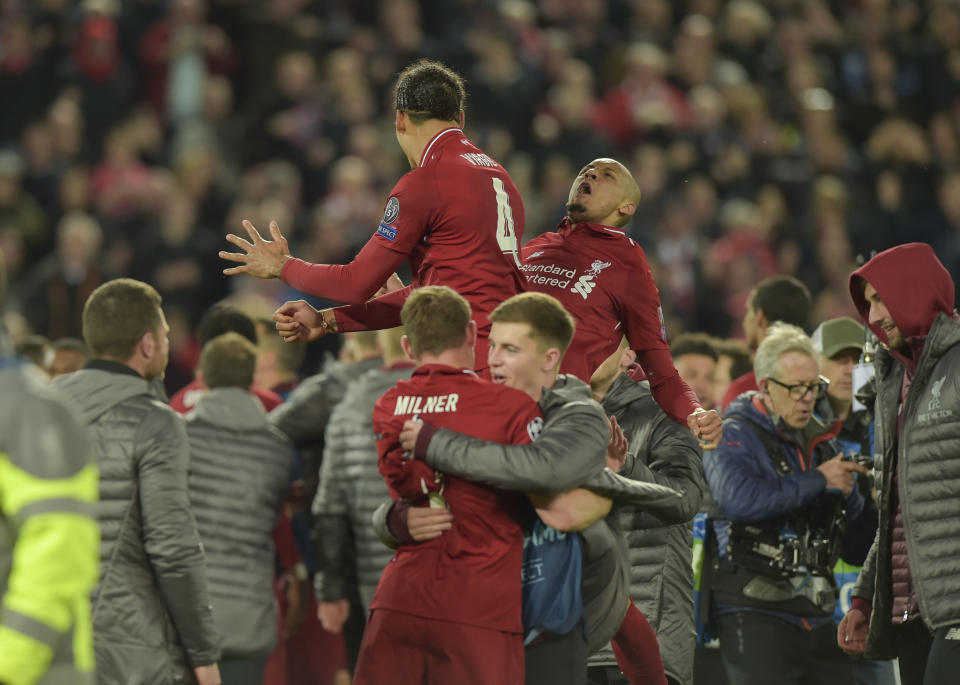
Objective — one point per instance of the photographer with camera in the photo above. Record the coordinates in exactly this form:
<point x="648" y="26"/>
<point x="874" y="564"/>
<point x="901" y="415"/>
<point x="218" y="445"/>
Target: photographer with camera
<point x="785" y="494"/>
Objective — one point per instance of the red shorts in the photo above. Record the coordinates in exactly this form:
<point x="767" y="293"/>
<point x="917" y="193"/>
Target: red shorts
<point x="402" y="649"/>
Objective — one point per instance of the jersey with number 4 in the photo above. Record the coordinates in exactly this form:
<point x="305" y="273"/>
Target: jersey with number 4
<point x="460" y="219"/>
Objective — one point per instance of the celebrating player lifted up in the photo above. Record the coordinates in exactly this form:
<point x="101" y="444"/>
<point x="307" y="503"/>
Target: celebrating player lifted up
<point x="456" y="215"/>
<point x="601" y="276"/>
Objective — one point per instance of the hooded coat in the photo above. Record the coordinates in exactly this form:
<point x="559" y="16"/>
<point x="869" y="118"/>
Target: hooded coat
<point x="658" y="539"/>
<point x="920" y="441"/>
<point x="152" y="617"/>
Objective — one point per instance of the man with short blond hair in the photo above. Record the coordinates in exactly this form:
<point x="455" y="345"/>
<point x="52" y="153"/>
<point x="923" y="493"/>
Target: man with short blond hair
<point x="550" y="325"/>
<point x="448" y="610"/>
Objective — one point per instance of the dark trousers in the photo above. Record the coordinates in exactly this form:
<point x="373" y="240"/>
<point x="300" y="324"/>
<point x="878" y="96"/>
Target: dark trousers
<point x="558" y="659"/>
<point x="242" y="671"/>
<point x="611" y="675"/>
<point x="927" y="659"/>
<point x="759" y="649"/>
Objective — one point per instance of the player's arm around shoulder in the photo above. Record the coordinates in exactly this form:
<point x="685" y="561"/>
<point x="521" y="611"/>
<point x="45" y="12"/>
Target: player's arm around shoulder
<point x="577" y="432"/>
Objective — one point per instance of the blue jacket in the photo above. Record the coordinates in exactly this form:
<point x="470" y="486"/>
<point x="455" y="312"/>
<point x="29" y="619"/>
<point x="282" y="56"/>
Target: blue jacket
<point x="747" y="486"/>
<point x="741" y="475"/>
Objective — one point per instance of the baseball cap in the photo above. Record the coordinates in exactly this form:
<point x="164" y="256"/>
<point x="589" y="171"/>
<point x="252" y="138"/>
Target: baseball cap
<point x="836" y="335"/>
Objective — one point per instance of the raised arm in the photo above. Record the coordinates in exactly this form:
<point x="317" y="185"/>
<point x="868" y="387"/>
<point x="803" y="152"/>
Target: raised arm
<point x="353" y="283"/>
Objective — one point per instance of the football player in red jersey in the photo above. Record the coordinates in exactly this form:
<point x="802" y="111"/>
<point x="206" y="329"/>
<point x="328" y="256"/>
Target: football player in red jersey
<point x="457" y="216"/>
<point x="602" y="277"/>
<point x="449" y="610"/>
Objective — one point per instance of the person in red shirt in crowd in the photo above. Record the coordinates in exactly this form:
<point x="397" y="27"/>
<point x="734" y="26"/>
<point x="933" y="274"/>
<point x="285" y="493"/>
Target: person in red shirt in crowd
<point x="221" y="318"/>
<point x="778" y="298"/>
<point x="457" y="216"/>
<point x="601" y="276"/>
<point x="449" y="610"/>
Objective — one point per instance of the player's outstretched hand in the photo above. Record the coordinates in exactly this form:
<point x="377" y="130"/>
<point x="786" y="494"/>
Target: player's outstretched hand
<point x="260" y="258"/>
<point x="297" y="321"/>
<point x="427" y="523"/>
<point x="617" y="447"/>
<point x="707" y="426"/>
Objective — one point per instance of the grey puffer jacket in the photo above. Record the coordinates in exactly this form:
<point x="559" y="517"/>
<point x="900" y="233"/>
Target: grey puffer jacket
<point x="152" y="617"/>
<point x="239" y="476"/>
<point x="303" y="417"/>
<point x="928" y="456"/>
<point x="351" y="488"/>
<point x="657" y="538"/>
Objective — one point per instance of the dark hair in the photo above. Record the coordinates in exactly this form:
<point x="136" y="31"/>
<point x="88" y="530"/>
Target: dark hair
<point x="739" y="353"/>
<point x="228" y="361"/>
<point x="225" y="318"/>
<point x="73" y="344"/>
<point x="782" y="298"/>
<point x="429" y="90"/>
<point x="693" y="343"/>
<point x="118" y="314"/>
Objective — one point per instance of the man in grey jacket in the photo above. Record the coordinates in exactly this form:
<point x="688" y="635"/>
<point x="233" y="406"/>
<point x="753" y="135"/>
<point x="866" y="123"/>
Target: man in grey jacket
<point x="239" y="477"/>
<point x="906" y="602"/>
<point x="152" y="619"/>
<point x="655" y="539"/>
<point x="351" y="557"/>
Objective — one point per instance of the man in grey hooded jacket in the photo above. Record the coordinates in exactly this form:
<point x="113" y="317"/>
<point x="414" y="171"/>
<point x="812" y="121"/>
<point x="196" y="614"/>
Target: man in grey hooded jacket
<point x="906" y="602"/>
<point x="239" y="476"/>
<point x="152" y="619"/>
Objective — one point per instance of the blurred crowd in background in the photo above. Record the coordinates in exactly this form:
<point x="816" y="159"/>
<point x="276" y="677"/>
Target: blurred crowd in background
<point x="777" y="137"/>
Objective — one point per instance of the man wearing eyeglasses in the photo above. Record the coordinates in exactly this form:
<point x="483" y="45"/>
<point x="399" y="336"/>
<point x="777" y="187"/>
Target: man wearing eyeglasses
<point x="785" y="492"/>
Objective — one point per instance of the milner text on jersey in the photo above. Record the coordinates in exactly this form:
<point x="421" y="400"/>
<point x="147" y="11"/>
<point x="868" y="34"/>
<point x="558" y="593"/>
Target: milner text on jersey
<point x="432" y="404"/>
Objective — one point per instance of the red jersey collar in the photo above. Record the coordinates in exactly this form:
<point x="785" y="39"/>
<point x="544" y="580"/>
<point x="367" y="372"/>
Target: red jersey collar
<point x="567" y="226"/>
<point x="433" y="142"/>
<point x="442" y="370"/>
<point x="396" y="366"/>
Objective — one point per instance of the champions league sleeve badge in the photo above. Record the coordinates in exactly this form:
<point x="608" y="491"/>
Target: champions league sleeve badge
<point x="390" y="214"/>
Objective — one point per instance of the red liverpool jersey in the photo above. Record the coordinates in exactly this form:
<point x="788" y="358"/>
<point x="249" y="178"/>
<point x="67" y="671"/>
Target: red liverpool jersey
<point x="471" y="573"/>
<point x="602" y="278"/>
<point x="459" y="218"/>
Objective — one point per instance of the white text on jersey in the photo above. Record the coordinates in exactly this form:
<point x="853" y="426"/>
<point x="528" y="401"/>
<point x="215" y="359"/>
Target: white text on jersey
<point x="434" y="404"/>
<point x="478" y="159"/>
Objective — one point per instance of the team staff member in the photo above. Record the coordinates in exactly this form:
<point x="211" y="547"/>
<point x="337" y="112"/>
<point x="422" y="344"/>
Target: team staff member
<point x="48" y="534"/>
<point x="456" y="215"/>
<point x="907" y="600"/>
<point x="602" y="277"/>
<point x="448" y="610"/>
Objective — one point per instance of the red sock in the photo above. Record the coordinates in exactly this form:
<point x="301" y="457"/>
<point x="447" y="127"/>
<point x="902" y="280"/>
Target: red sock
<point x="637" y="652"/>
